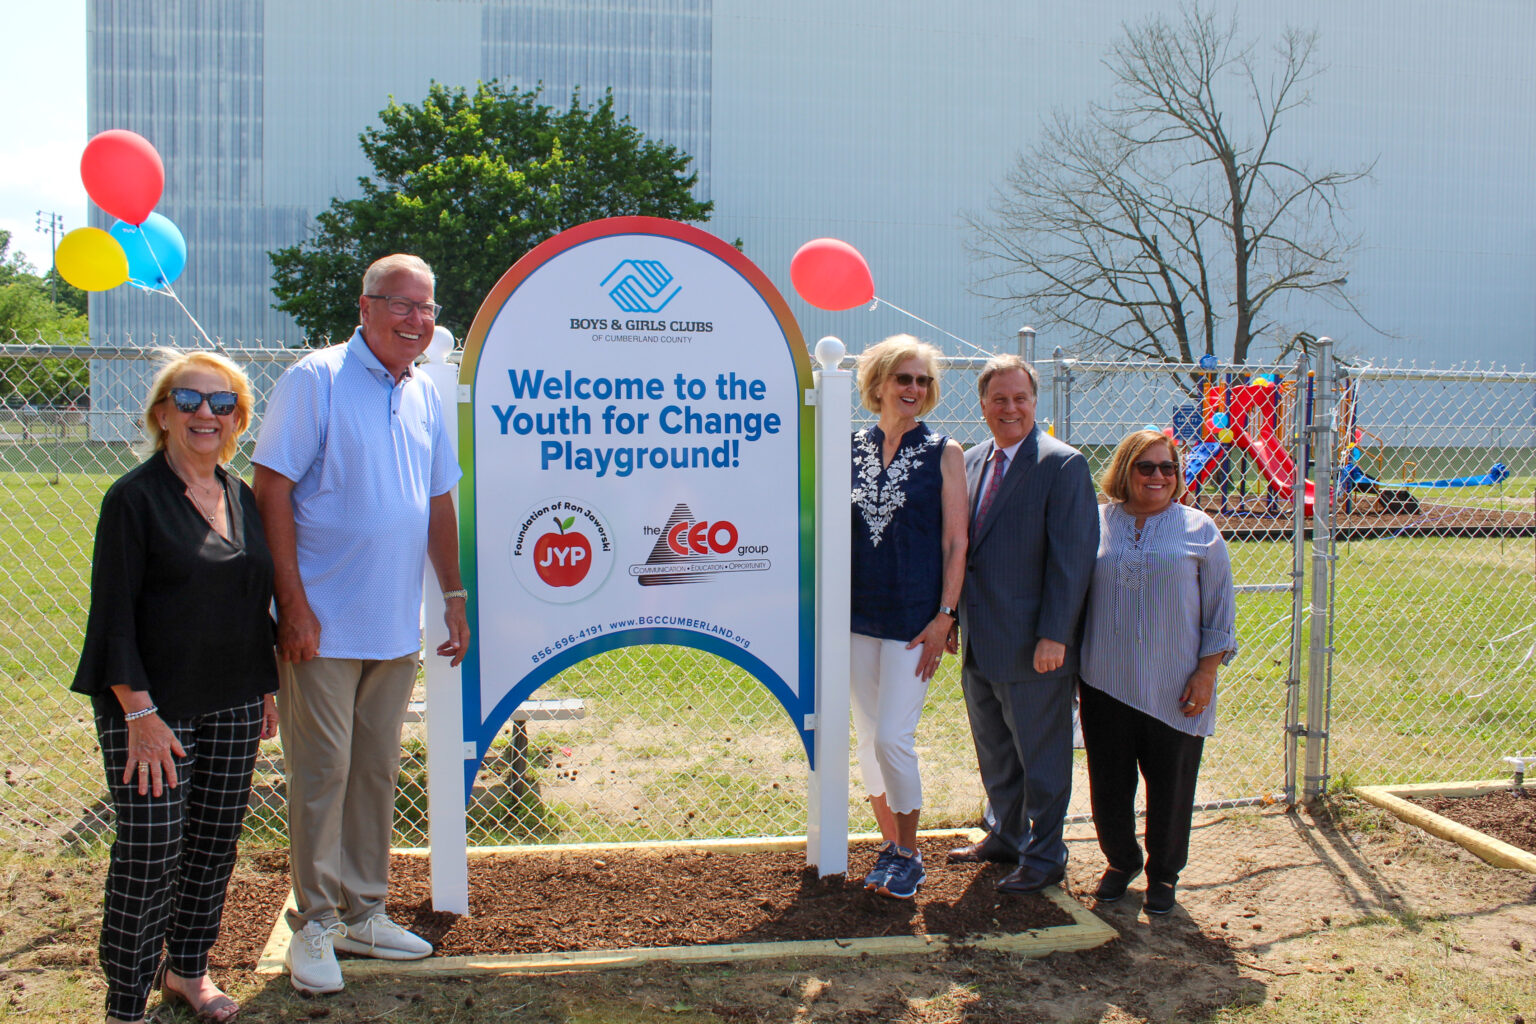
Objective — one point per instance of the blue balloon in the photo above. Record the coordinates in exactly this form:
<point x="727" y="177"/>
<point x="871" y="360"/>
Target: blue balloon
<point x="157" y="252"/>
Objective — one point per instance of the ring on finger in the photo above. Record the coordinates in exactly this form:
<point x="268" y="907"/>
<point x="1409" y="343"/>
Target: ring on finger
<point x="143" y="767"/>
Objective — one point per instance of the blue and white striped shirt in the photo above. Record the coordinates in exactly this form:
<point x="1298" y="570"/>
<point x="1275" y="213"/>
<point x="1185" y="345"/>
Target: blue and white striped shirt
<point x="366" y="454"/>
<point x="1159" y="603"/>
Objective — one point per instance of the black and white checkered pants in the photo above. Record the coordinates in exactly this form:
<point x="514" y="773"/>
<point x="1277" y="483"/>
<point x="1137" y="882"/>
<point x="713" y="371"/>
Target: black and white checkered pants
<point x="174" y="853"/>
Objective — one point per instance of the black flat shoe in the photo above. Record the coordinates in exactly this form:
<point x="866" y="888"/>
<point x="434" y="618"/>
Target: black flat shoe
<point x="1112" y="884"/>
<point x="1159" y="898"/>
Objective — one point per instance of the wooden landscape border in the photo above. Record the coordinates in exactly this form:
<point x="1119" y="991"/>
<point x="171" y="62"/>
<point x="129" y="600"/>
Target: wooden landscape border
<point x="1494" y="851"/>
<point x="1085" y="932"/>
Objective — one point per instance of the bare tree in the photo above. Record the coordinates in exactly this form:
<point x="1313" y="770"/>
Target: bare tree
<point x="1167" y="224"/>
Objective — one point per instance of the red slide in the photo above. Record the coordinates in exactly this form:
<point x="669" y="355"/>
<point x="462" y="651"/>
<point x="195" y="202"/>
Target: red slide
<point x="1274" y="463"/>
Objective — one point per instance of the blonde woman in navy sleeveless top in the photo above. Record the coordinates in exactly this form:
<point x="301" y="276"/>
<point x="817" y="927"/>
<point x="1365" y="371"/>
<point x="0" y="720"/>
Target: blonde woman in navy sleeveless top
<point x="909" y="540"/>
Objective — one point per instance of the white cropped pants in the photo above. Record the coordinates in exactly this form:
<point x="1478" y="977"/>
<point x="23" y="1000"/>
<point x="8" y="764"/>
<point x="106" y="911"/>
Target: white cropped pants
<point x="888" y="700"/>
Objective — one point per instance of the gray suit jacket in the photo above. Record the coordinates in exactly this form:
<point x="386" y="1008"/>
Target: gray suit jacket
<point x="1030" y="560"/>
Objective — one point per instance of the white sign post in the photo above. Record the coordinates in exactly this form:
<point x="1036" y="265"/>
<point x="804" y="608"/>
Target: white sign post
<point x="826" y="847"/>
<point x="446" y="831"/>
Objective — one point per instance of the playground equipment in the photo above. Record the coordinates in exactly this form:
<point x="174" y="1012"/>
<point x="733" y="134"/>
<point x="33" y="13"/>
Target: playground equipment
<point x="1354" y="445"/>
<point x="1247" y="417"/>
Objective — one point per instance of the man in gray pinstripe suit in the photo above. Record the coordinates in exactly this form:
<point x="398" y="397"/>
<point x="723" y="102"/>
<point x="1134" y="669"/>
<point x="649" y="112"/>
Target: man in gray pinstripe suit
<point x="1034" y="536"/>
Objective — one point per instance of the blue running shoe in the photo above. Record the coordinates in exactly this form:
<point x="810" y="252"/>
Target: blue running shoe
<point x="876" y="876"/>
<point x="904" y="875"/>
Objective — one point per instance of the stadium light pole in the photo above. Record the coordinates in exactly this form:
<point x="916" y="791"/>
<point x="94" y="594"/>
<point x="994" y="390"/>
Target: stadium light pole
<point x="51" y="224"/>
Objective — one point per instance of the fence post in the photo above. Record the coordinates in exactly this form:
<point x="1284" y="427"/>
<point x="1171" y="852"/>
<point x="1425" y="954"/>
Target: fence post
<point x="1027" y="344"/>
<point x="826" y="846"/>
<point x="1061" y="395"/>
<point x="1301" y="452"/>
<point x="447" y="800"/>
<point x="1320" y="653"/>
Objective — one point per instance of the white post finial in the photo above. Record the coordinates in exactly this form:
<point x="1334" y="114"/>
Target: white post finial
<point x="440" y="345"/>
<point x="830" y="352"/>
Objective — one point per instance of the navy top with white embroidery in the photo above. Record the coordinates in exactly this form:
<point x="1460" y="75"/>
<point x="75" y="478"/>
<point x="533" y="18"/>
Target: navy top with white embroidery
<point x="898" y="555"/>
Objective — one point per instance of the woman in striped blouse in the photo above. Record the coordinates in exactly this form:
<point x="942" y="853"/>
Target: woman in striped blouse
<point x="1161" y="617"/>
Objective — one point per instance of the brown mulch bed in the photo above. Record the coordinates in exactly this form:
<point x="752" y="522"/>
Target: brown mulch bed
<point x="1505" y="815"/>
<point x="1365" y="521"/>
<point x="542" y="903"/>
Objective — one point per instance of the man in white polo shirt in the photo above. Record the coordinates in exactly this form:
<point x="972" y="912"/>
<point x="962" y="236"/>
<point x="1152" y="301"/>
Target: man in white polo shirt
<point x="353" y="477"/>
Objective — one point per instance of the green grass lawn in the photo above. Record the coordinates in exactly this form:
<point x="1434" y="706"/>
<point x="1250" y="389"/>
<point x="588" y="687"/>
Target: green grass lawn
<point x="1432" y="681"/>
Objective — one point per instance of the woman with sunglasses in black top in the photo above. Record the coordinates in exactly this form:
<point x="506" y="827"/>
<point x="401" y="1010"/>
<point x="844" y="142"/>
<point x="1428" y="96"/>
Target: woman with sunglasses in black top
<point x="1161" y="618"/>
<point x="178" y="661"/>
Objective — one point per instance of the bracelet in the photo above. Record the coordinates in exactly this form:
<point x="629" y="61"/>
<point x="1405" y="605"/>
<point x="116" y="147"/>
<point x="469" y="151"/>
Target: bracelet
<point x="134" y="716"/>
<point x="449" y="595"/>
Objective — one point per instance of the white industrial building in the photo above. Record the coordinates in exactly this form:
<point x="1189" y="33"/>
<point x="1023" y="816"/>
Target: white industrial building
<point x="879" y="123"/>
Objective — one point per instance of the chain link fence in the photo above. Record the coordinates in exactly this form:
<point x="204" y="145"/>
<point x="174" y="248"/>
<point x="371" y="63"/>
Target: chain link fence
<point x="664" y="742"/>
<point x="1433" y="603"/>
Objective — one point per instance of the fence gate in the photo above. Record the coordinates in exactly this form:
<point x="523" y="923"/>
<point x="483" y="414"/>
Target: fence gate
<point x="1434" y="607"/>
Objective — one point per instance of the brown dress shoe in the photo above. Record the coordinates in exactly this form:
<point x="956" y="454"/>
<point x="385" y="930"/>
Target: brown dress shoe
<point x="991" y="848"/>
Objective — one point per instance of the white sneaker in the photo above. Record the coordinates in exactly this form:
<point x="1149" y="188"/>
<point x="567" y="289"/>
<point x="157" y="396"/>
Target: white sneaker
<point x="382" y="938"/>
<point x="312" y="966"/>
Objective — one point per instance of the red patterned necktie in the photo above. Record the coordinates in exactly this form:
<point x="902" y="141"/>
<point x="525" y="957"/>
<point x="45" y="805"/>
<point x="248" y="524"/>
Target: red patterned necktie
<point x="1001" y="458"/>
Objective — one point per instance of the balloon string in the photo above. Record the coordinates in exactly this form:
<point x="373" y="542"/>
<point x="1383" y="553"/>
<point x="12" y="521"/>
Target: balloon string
<point x="149" y="247"/>
<point x="876" y="305"/>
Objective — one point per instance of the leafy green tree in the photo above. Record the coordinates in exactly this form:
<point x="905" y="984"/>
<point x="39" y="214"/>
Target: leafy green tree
<point x="27" y="316"/>
<point x="13" y="265"/>
<point x="470" y="181"/>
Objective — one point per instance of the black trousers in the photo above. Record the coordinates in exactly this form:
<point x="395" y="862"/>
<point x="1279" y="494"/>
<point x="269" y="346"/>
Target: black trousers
<point x="174" y="853"/>
<point x="1121" y="741"/>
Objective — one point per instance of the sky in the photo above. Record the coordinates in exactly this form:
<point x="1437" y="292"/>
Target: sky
<point x="42" y="121"/>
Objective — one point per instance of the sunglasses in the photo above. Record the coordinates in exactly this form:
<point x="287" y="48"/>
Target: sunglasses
<point x="220" y="403"/>
<point x="1149" y="468"/>
<point x="906" y="379"/>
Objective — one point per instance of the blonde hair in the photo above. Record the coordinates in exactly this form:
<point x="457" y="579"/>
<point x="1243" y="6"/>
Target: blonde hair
<point x="1116" y="479"/>
<point x="175" y="364"/>
<point x="878" y="362"/>
<point x="383" y="267"/>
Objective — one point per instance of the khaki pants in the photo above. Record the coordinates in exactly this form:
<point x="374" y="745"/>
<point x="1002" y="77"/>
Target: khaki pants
<point x="341" y="723"/>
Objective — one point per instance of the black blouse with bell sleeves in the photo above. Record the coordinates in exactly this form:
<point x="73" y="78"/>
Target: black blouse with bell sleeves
<point x="177" y="609"/>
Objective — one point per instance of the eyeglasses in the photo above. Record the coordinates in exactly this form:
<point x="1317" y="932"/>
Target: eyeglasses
<point x="1148" y="468"/>
<point x="905" y="379"/>
<point x="401" y="306"/>
<point x="220" y="403"/>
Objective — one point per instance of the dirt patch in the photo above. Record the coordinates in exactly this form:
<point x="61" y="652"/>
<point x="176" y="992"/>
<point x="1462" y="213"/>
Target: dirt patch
<point x="546" y="903"/>
<point x="1508" y="816"/>
<point x="1363" y="918"/>
<point x="1253" y="519"/>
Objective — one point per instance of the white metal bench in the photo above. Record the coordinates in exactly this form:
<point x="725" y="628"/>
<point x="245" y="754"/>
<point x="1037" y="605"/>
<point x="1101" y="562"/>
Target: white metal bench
<point x="559" y="709"/>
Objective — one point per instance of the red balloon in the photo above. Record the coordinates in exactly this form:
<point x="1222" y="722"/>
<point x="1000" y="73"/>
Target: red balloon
<point x="831" y="274"/>
<point x="123" y="174"/>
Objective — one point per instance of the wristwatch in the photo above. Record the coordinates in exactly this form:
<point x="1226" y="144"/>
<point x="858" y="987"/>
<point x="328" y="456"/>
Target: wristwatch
<point x="945" y="609"/>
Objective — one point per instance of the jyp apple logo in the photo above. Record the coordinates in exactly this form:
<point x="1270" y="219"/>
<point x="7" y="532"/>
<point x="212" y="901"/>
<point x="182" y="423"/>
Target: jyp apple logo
<point x="563" y="559"/>
<point x="561" y="549"/>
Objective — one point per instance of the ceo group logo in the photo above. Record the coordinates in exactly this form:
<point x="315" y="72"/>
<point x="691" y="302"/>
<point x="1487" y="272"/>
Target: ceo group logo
<point x="689" y="549"/>
<point x="640" y="286"/>
<point x="562" y="550"/>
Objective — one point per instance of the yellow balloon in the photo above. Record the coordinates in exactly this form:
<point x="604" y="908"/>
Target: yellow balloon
<point x="90" y="258"/>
